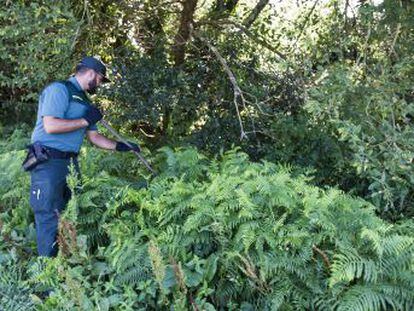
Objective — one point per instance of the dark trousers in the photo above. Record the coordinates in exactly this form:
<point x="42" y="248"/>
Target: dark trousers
<point x="49" y="194"/>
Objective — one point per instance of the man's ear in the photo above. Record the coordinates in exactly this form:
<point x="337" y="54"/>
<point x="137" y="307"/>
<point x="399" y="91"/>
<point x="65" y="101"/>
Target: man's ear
<point x="90" y="74"/>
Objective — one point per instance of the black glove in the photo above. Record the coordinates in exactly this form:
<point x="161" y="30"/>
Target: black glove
<point x="120" y="146"/>
<point x="92" y="115"/>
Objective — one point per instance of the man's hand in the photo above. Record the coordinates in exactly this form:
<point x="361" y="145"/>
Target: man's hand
<point x="120" y="146"/>
<point x="92" y="115"/>
<point x="106" y="143"/>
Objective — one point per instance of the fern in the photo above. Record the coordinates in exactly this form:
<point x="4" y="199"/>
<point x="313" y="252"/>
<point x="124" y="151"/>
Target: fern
<point x="15" y="293"/>
<point x="242" y="234"/>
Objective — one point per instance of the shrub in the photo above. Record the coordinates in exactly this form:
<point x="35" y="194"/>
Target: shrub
<point x="220" y="233"/>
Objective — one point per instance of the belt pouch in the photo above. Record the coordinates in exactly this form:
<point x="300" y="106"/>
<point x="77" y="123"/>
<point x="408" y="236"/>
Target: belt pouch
<point x="36" y="154"/>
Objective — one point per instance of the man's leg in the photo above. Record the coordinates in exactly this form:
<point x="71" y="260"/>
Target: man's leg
<point x="46" y="231"/>
<point x="46" y="199"/>
<point x="42" y="196"/>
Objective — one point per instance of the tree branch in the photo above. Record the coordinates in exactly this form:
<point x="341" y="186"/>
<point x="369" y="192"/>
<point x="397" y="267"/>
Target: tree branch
<point x="305" y="22"/>
<point x="237" y="91"/>
<point x="248" y="33"/>
<point x="392" y="48"/>
<point x="255" y="13"/>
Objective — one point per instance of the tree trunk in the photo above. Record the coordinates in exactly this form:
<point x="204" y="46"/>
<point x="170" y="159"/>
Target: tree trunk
<point x="183" y="33"/>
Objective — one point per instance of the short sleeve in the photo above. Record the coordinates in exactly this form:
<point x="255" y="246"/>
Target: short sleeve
<point x="92" y="127"/>
<point x="54" y="101"/>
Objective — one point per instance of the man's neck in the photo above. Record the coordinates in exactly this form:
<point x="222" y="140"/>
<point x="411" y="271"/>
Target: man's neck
<point x="82" y="83"/>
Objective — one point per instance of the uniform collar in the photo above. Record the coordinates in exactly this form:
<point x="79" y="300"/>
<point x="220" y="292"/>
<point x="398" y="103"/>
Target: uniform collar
<point x="75" y="83"/>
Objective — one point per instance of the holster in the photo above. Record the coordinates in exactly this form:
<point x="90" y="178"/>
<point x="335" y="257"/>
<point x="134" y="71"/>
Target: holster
<point x="36" y="154"/>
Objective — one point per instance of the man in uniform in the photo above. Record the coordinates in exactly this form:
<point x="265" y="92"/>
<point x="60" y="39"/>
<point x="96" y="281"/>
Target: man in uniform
<point x="64" y="116"/>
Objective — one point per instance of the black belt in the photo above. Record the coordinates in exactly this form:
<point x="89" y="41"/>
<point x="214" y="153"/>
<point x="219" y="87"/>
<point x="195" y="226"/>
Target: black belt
<point x="57" y="154"/>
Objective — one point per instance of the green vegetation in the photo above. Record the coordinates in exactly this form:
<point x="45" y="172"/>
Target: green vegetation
<point x="289" y="187"/>
<point x="205" y="234"/>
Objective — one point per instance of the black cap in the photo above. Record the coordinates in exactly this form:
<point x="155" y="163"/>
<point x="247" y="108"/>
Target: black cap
<point x="95" y="64"/>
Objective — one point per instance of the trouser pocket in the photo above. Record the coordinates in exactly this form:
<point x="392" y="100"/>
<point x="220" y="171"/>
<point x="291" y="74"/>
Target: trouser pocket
<point x="40" y="196"/>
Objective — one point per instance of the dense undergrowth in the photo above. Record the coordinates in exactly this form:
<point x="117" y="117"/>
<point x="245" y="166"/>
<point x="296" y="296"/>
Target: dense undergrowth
<point x="206" y="234"/>
<point x="321" y="84"/>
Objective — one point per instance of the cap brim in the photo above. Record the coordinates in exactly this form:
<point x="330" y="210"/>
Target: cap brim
<point x="105" y="80"/>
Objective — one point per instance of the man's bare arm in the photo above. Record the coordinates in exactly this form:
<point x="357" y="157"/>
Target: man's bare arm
<point x="100" y="140"/>
<point x="53" y="125"/>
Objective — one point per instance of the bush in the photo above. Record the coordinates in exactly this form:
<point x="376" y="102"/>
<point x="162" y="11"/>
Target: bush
<point x="221" y="233"/>
<point x="35" y="48"/>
